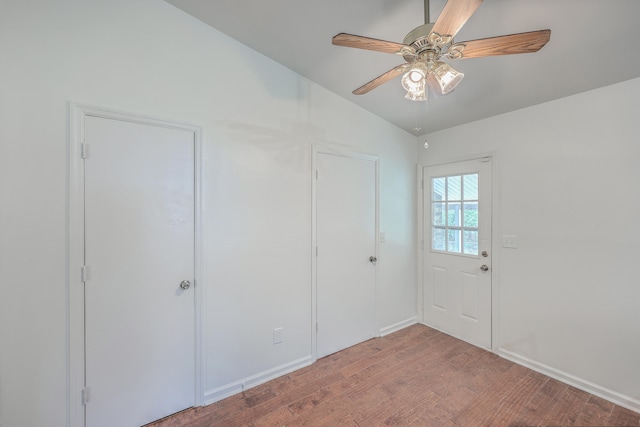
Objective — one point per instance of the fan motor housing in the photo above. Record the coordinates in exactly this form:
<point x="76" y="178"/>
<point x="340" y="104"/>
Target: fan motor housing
<point x="418" y="39"/>
<point x="418" y="36"/>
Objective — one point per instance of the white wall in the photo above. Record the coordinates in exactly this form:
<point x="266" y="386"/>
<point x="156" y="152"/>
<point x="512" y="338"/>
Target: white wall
<point x="567" y="179"/>
<point x="259" y="122"/>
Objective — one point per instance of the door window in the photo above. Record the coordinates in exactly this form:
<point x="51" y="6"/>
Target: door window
<point x="454" y="209"/>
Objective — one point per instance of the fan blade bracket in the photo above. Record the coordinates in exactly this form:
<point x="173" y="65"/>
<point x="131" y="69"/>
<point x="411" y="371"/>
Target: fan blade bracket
<point x="455" y="51"/>
<point x="439" y="40"/>
<point x="454" y="15"/>
<point x="407" y="51"/>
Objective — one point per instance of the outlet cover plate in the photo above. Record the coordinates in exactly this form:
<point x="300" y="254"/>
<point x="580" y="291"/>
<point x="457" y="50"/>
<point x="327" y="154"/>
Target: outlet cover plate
<point x="277" y="335"/>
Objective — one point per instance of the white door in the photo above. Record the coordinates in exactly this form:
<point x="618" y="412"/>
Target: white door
<point x="457" y="249"/>
<point x="139" y="231"/>
<point x="346" y="239"/>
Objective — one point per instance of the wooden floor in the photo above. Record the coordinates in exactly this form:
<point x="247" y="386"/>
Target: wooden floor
<point x="414" y="377"/>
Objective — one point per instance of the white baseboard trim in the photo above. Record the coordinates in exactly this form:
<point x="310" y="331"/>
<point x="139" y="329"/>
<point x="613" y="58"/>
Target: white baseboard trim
<point x="397" y="326"/>
<point x="589" y="387"/>
<point x="219" y="393"/>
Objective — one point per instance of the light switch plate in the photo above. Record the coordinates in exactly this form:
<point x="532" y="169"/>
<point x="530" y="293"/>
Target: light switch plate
<point x="509" y="241"/>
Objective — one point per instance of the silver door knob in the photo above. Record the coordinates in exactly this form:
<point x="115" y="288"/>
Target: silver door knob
<point x="372" y="259"/>
<point x="185" y="284"/>
<point x="484" y="267"/>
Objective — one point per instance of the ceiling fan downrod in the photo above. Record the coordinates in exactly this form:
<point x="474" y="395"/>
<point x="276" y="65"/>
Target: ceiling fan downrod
<point x="427" y="18"/>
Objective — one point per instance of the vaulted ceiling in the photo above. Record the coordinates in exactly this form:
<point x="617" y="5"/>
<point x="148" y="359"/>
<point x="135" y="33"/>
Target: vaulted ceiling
<point x="593" y="44"/>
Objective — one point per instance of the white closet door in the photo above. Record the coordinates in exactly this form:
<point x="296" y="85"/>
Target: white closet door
<point x="139" y="228"/>
<point x="346" y="239"/>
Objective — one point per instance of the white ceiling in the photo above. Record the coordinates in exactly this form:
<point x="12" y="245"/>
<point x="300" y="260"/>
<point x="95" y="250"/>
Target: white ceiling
<point x="593" y="43"/>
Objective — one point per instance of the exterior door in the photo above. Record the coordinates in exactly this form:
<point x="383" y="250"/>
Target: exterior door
<point x="457" y="249"/>
<point x="346" y="239"/>
<point x="139" y="248"/>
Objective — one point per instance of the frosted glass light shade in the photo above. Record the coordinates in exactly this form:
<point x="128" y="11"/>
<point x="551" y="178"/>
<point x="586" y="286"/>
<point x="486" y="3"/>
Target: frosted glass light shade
<point x="443" y="79"/>
<point x="414" y="82"/>
<point x="417" y="96"/>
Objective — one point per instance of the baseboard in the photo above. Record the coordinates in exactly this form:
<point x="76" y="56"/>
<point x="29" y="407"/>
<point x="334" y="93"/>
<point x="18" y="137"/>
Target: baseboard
<point x="589" y="387"/>
<point x="397" y="326"/>
<point x="219" y="393"/>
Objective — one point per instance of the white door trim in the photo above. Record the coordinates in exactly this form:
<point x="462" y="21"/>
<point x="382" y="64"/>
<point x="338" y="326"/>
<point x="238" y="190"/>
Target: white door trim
<point x="76" y="245"/>
<point x="317" y="149"/>
<point x="495" y="237"/>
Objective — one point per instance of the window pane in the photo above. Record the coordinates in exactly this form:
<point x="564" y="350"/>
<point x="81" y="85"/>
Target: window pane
<point x="453" y="187"/>
<point x="439" y="213"/>
<point x="453" y="243"/>
<point x="438" y="239"/>
<point x="438" y="185"/>
<point x="471" y="187"/>
<point x="471" y="214"/>
<point x="470" y="242"/>
<point x="453" y="214"/>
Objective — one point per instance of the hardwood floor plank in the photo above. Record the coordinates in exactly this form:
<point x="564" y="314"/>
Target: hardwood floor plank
<point x="623" y="417"/>
<point x="596" y="412"/>
<point x="567" y="409"/>
<point x="413" y="410"/>
<point x="540" y="403"/>
<point x="281" y="416"/>
<point x="415" y="377"/>
<point x="515" y="398"/>
<point x="490" y="396"/>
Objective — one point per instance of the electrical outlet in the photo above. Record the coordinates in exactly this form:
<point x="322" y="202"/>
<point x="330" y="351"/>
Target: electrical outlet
<point x="277" y="335"/>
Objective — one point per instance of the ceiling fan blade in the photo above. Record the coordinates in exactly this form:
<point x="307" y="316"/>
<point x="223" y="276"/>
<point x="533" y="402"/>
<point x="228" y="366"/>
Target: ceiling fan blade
<point x="394" y="72"/>
<point x="454" y="15"/>
<point x="504" y="45"/>
<point x="360" y="42"/>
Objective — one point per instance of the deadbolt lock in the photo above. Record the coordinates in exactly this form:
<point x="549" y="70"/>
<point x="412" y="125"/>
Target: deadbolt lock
<point x="485" y="254"/>
<point x="185" y="284"/>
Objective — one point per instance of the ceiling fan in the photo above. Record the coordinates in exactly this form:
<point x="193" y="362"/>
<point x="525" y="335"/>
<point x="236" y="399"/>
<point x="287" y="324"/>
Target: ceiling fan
<point x="425" y="46"/>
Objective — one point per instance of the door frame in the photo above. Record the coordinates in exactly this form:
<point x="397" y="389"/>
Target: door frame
<point x="318" y="149"/>
<point x="76" y="248"/>
<point x="495" y="260"/>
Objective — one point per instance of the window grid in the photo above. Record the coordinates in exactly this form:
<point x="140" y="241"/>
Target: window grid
<point x="458" y="226"/>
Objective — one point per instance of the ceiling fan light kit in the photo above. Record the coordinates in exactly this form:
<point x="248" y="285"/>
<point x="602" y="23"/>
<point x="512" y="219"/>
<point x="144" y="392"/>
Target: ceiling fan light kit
<point x="445" y="77"/>
<point x="425" y="46"/>
<point x="414" y="82"/>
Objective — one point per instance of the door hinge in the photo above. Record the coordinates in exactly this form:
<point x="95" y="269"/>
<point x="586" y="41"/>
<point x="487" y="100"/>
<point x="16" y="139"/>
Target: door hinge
<point x="316" y="251"/>
<point x="422" y="184"/>
<point x="84" y="150"/>
<point x="86" y="395"/>
<point x="316" y="327"/>
<point x="316" y="174"/>
<point x="84" y="273"/>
